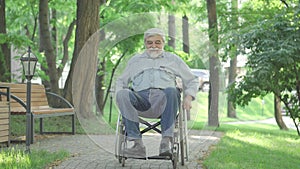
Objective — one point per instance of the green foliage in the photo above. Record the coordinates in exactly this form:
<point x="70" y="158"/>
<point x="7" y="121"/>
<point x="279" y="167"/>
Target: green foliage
<point x="22" y="27"/>
<point x="273" y="66"/>
<point x="15" y="39"/>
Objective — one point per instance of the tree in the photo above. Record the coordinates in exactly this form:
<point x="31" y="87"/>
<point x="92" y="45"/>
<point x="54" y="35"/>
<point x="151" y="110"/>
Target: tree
<point x="5" y="49"/>
<point x="185" y="34"/>
<point x="233" y="55"/>
<point x="100" y="77"/>
<point x="171" y="31"/>
<point x="52" y="63"/>
<point x="213" y="118"/>
<point x="84" y="57"/>
<point x="272" y="47"/>
<point x="46" y="45"/>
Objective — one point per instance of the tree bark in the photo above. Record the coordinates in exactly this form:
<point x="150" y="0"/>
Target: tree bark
<point x="213" y="118"/>
<point x="231" y="112"/>
<point x="5" y="56"/>
<point x="99" y="86"/>
<point x="100" y="90"/>
<point x="278" y="115"/>
<point x="80" y="83"/>
<point x="171" y="31"/>
<point x="46" y="45"/>
<point x="185" y="34"/>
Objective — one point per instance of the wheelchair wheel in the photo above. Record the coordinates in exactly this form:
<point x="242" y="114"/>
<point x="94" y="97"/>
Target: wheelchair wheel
<point x="120" y="141"/>
<point x="175" y="160"/>
<point x="120" y="156"/>
<point x="182" y="152"/>
<point x="175" y="147"/>
<point x="185" y="138"/>
<point x="123" y="161"/>
<point x="183" y="141"/>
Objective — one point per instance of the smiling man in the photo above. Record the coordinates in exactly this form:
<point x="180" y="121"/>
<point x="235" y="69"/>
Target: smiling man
<point x="147" y="88"/>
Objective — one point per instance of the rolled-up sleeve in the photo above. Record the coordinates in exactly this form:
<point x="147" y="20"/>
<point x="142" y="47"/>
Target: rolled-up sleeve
<point x="189" y="80"/>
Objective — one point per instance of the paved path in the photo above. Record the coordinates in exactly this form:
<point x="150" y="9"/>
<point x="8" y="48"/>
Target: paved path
<point x="97" y="151"/>
<point x="287" y="120"/>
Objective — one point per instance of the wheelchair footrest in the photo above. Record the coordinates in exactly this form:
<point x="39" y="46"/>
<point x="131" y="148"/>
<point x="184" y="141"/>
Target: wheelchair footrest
<point x="160" y="157"/>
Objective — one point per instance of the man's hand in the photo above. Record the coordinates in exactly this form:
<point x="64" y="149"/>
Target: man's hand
<point x="187" y="103"/>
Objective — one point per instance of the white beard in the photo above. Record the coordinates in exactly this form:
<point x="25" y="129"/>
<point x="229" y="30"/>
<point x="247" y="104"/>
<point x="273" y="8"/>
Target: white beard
<point x="154" y="52"/>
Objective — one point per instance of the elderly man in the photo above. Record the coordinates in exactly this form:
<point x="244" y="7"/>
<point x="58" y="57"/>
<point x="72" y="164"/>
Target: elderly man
<point x="147" y="88"/>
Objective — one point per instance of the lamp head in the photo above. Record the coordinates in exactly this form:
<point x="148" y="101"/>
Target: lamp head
<point x="29" y="61"/>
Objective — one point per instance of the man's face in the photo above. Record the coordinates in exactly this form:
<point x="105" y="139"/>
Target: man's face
<point x="154" y="45"/>
<point x="154" y="42"/>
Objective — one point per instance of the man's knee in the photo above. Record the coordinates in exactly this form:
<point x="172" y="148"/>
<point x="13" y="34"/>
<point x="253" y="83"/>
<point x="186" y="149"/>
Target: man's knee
<point x="122" y="94"/>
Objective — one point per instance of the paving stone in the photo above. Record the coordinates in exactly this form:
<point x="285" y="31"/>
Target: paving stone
<point x="97" y="151"/>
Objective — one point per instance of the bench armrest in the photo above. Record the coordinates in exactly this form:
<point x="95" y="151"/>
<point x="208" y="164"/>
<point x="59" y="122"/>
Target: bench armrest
<point x="17" y="99"/>
<point x="61" y="98"/>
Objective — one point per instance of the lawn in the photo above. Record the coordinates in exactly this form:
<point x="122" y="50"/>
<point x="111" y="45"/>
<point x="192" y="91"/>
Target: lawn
<point x="16" y="157"/>
<point x="258" y="146"/>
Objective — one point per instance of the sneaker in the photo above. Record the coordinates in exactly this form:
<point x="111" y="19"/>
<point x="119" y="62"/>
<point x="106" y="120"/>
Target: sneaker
<point x="164" y="148"/>
<point x="136" y="151"/>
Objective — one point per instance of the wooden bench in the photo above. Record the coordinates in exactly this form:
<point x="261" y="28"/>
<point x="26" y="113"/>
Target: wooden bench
<point x="39" y="105"/>
<point x="5" y="119"/>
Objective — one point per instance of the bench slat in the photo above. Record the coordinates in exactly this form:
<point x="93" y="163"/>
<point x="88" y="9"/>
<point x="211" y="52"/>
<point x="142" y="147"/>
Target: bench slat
<point x="3" y="131"/>
<point x="4" y="138"/>
<point x="4" y="109"/>
<point x="21" y="85"/>
<point x="4" y="121"/>
<point x="52" y="110"/>
<point x="4" y="115"/>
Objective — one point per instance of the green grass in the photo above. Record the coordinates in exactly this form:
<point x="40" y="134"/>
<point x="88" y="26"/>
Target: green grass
<point x="256" y="110"/>
<point x="258" y="146"/>
<point x="15" y="158"/>
<point x="61" y="124"/>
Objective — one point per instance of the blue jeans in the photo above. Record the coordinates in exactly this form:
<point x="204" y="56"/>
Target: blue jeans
<point x="134" y="104"/>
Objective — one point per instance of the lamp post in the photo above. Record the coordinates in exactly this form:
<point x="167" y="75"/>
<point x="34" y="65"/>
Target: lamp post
<point x="28" y="61"/>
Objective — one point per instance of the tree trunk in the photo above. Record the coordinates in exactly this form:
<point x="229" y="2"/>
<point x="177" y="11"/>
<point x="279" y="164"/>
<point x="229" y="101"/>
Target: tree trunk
<point x="46" y="45"/>
<point x="213" y="118"/>
<point x="80" y="83"/>
<point x="171" y="31"/>
<point x="278" y="115"/>
<point x="99" y="86"/>
<point x="231" y="112"/>
<point x="5" y="56"/>
<point x="185" y="34"/>
<point x="100" y="90"/>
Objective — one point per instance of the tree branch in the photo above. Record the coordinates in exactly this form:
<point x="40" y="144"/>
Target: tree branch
<point x="112" y="75"/>
<point x="283" y="1"/>
<point x="65" y="50"/>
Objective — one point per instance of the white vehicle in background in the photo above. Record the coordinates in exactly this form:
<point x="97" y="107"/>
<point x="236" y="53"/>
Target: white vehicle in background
<point x="203" y="76"/>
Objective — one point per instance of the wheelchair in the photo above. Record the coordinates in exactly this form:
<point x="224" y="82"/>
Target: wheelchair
<point x="179" y="144"/>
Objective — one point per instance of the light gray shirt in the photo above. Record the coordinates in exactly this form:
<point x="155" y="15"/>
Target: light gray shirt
<point x="143" y="72"/>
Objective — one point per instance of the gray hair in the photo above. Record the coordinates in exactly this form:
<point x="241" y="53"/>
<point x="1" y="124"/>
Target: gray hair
<point x="154" y="31"/>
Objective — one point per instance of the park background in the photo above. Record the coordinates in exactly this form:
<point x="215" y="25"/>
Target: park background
<point x="267" y="32"/>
